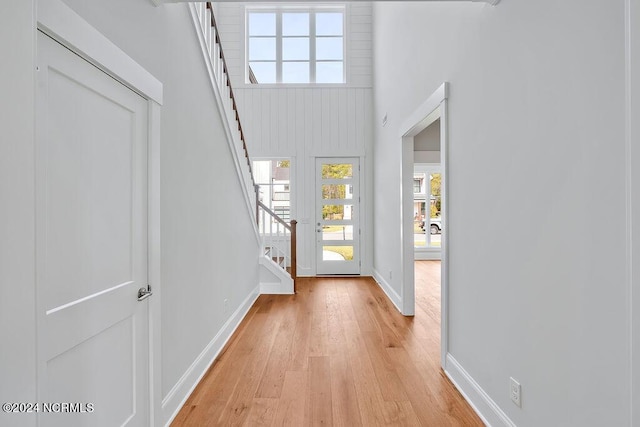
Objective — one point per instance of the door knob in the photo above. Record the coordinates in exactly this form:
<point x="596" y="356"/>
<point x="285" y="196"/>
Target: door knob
<point x="144" y="293"/>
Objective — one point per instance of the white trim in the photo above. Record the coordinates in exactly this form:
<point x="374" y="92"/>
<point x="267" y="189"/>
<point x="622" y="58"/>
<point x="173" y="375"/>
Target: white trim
<point x="428" y="112"/>
<point x="181" y="391"/>
<point x="159" y="2"/>
<point x="61" y="23"/>
<point x="424" y="115"/>
<point x="388" y="290"/>
<point x="632" y="199"/>
<point x="431" y="254"/>
<point x="154" y="263"/>
<point x="482" y="404"/>
<point x="444" y="236"/>
<point x="407" y="274"/>
<point x="58" y="21"/>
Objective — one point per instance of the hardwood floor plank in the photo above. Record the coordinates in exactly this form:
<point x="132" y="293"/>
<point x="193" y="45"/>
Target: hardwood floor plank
<point x="300" y="346"/>
<point x="273" y="378"/>
<point x="384" y="368"/>
<point x="423" y="402"/>
<point x="262" y="412"/>
<point x="370" y="400"/>
<point x="320" y="412"/>
<point x="239" y="403"/>
<point x="293" y="401"/>
<point x="337" y="353"/>
<point x="343" y="392"/>
<point x="401" y="414"/>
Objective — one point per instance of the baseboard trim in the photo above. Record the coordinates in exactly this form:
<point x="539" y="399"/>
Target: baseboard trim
<point x="181" y="391"/>
<point x="482" y="404"/>
<point x="428" y="255"/>
<point x="276" y="289"/>
<point x="388" y="290"/>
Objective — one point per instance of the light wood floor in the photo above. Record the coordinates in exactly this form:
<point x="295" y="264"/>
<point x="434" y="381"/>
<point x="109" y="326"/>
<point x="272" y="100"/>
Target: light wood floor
<point x="337" y="353"/>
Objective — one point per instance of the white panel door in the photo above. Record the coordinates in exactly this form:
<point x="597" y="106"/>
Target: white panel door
<point x="91" y="240"/>
<point x="337" y="216"/>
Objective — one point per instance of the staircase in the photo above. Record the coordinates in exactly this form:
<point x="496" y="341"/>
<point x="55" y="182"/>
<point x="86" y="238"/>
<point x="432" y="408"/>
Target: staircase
<point x="278" y="238"/>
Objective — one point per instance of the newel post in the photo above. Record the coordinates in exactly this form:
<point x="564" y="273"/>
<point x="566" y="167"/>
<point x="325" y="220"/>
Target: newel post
<point x="294" y="260"/>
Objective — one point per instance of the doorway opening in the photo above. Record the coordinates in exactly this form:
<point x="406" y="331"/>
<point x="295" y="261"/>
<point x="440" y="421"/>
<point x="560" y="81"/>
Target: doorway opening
<point x="427" y="193"/>
<point x="433" y="110"/>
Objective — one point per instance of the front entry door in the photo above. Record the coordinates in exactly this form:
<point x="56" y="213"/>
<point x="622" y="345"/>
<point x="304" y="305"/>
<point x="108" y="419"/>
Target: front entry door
<point x="91" y="245"/>
<point x="337" y="216"/>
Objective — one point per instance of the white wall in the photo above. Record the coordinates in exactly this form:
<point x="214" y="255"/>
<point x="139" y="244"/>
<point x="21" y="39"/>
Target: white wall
<point x="536" y="107"/>
<point x="205" y="220"/>
<point x="426" y="144"/>
<point x="17" y="263"/>
<point x="428" y="139"/>
<point x="302" y="122"/>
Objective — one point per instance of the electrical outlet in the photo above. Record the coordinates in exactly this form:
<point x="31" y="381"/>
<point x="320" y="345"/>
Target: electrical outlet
<point x="390" y="274"/>
<point x="226" y="306"/>
<point x="515" y="390"/>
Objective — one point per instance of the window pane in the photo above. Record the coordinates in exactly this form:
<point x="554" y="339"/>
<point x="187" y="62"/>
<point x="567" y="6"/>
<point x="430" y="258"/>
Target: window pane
<point x="435" y="223"/>
<point x="337" y="253"/>
<point x="262" y="24"/>
<point x="337" y="191"/>
<point x="274" y="186"/>
<point x="337" y="170"/>
<point x="329" y="72"/>
<point x="336" y="212"/>
<point x="419" y="183"/>
<point x="295" y="48"/>
<point x="419" y="237"/>
<point x="337" y="232"/>
<point x="329" y="48"/>
<point x="265" y="72"/>
<point x="329" y="24"/>
<point x="295" y="72"/>
<point x="262" y="49"/>
<point x="295" y="24"/>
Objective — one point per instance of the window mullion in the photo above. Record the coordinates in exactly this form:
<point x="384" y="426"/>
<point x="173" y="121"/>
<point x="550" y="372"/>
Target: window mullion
<point x="279" y="47"/>
<point x="312" y="46"/>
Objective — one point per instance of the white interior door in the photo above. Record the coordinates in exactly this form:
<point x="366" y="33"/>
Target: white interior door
<point x="337" y="216"/>
<point x="91" y="240"/>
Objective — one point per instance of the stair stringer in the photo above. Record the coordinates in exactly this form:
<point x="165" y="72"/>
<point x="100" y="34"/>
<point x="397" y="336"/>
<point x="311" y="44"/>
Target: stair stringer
<point x="273" y="278"/>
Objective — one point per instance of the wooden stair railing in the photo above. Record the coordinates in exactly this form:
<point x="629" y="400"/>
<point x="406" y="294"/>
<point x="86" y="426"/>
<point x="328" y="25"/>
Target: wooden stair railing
<point x="213" y="44"/>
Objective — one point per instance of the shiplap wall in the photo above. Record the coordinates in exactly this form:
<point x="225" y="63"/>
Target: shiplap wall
<point x="303" y="122"/>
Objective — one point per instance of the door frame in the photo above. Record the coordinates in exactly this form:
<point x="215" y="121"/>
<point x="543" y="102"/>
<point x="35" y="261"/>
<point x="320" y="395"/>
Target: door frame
<point x="632" y="177"/>
<point x="61" y="23"/>
<point x="433" y="108"/>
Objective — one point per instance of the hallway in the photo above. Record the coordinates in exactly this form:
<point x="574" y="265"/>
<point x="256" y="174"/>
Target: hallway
<point x="336" y="353"/>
